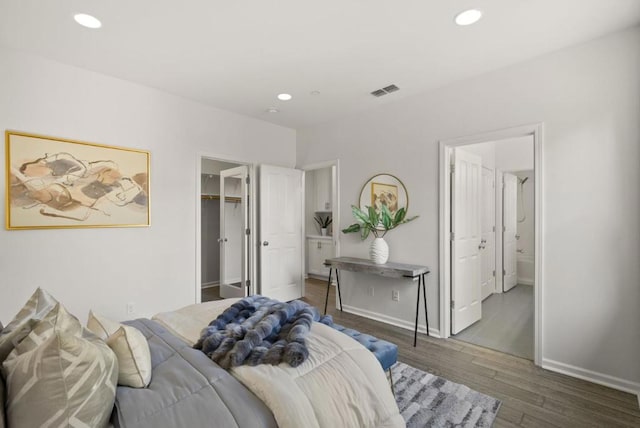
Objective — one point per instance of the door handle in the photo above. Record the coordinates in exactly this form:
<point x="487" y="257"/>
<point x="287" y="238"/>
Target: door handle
<point x="483" y="241"/>
<point x="265" y="243"/>
<point x="480" y="247"/>
<point x="225" y="239"/>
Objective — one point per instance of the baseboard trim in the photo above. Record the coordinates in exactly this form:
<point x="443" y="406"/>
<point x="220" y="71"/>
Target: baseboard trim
<point x="211" y="284"/>
<point x="433" y="332"/>
<point x="525" y="281"/>
<point x="322" y="278"/>
<point x="595" y="377"/>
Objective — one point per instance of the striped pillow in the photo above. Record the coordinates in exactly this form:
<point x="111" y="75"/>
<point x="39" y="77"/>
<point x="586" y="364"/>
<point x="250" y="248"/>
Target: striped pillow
<point x="66" y="380"/>
<point x="2" y="394"/>
<point x="37" y="307"/>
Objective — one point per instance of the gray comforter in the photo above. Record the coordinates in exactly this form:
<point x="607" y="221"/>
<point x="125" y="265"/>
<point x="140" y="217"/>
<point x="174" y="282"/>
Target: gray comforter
<point x="187" y="390"/>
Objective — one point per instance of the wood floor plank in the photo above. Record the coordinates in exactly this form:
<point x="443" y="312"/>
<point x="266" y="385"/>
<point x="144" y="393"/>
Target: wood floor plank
<point x="502" y="423"/>
<point x="510" y="414"/>
<point x="531" y="396"/>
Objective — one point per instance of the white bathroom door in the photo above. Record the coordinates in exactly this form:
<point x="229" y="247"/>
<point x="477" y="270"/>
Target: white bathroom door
<point x="466" y="301"/>
<point x="281" y="241"/>
<point x="234" y="223"/>
<point x="509" y="231"/>
<point x="488" y="241"/>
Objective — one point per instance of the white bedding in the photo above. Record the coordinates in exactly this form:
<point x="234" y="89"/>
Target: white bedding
<point x="340" y="385"/>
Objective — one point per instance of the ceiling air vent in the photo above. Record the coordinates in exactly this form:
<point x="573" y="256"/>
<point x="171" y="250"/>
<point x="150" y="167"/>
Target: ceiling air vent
<point x="384" y="91"/>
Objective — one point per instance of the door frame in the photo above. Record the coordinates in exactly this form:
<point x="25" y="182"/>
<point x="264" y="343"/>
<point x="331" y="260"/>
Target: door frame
<point x="252" y="220"/>
<point x="536" y="130"/>
<point x="335" y="206"/>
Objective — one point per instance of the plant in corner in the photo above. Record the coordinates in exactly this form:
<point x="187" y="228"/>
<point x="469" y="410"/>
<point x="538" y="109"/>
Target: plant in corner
<point x="323" y="222"/>
<point x="369" y="221"/>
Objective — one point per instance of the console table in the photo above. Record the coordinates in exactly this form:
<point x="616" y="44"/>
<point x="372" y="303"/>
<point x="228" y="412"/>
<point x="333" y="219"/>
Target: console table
<point x="389" y="270"/>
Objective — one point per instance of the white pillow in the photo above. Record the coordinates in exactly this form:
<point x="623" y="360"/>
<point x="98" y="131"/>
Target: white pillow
<point x="129" y="345"/>
<point x="101" y="326"/>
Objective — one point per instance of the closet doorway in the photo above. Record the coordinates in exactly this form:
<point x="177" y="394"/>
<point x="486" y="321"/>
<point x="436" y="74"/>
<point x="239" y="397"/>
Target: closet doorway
<point x="225" y="218"/>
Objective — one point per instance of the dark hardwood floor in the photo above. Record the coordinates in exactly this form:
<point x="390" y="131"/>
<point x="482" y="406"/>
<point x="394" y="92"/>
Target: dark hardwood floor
<point x="531" y="396"/>
<point x="211" y="293"/>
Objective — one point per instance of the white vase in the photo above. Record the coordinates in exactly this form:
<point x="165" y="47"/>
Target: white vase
<point x="323" y="231"/>
<point x="379" y="251"/>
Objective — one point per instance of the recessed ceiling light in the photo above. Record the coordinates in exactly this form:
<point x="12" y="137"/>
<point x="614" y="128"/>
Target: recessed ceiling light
<point x="468" y="17"/>
<point x="272" y="110"/>
<point x="284" y="97"/>
<point x="87" y="20"/>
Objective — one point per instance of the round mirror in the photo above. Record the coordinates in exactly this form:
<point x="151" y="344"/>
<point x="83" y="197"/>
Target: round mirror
<point x="384" y="189"/>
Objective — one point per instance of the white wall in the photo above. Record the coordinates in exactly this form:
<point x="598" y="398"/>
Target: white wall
<point x="514" y="154"/>
<point x="105" y="268"/>
<point x="588" y="99"/>
<point x="526" y="240"/>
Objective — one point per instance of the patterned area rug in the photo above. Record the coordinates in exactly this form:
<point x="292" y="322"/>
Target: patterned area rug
<point x="426" y="400"/>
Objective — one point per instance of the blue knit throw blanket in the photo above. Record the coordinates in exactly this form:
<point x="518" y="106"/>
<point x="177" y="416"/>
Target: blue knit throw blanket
<point x="258" y="330"/>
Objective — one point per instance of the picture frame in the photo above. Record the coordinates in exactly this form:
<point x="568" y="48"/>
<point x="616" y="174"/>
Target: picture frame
<point x="387" y="185"/>
<point x="384" y="194"/>
<point x="57" y="183"/>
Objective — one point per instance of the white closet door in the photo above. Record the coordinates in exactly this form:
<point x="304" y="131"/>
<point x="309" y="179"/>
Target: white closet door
<point x="234" y="222"/>
<point x="465" y="245"/>
<point x="510" y="230"/>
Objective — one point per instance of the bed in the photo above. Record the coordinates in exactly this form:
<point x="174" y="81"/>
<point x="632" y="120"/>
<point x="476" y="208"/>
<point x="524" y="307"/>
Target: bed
<point x="341" y="384"/>
<point x="57" y="372"/>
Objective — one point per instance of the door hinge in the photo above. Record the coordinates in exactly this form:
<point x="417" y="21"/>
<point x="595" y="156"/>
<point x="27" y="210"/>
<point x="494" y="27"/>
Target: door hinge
<point x="494" y="228"/>
<point x="452" y="236"/>
<point x="504" y="228"/>
<point x="247" y="231"/>
<point x="453" y="305"/>
<point x="453" y="168"/>
<point x="494" y="273"/>
<point x="247" y="180"/>
<point x="504" y="272"/>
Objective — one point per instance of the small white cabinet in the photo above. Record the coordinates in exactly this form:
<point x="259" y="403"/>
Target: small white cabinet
<point x="323" y="189"/>
<point x="319" y="250"/>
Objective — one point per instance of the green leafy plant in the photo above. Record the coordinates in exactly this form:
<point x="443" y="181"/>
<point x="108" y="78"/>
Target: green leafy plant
<point x="369" y="221"/>
<point x="323" y="222"/>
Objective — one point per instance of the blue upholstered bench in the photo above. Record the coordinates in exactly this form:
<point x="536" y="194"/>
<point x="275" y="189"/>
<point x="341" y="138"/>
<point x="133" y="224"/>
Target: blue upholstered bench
<point x="385" y="352"/>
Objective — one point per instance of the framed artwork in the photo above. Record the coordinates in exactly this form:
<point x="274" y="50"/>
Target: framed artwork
<point x="54" y="183"/>
<point x="384" y="194"/>
<point x="384" y="189"/>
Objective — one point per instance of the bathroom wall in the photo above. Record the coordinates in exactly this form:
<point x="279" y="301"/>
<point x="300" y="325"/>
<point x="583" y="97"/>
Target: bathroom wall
<point x="526" y="228"/>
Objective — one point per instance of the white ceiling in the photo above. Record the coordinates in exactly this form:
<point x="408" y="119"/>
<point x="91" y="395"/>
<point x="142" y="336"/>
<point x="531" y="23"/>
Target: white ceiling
<point x="238" y="55"/>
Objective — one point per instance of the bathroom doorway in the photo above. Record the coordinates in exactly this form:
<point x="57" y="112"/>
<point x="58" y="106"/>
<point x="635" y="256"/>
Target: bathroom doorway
<point x="490" y="292"/>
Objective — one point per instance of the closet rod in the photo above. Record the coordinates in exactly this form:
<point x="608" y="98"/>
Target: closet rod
<point x="217" y="198"/>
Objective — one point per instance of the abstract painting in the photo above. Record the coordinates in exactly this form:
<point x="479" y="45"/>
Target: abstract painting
<point x="58" y="183"/>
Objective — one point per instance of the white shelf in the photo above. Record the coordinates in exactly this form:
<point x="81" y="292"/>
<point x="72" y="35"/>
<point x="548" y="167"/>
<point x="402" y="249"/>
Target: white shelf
<point x="328" y="238"/>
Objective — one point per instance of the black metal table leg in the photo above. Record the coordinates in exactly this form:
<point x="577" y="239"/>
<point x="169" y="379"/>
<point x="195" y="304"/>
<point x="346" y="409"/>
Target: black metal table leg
<point x="424" y="292"/>
<point x="415" y="331"/>
<point x="338" y="285"/>
<point x="326" y="299"/>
